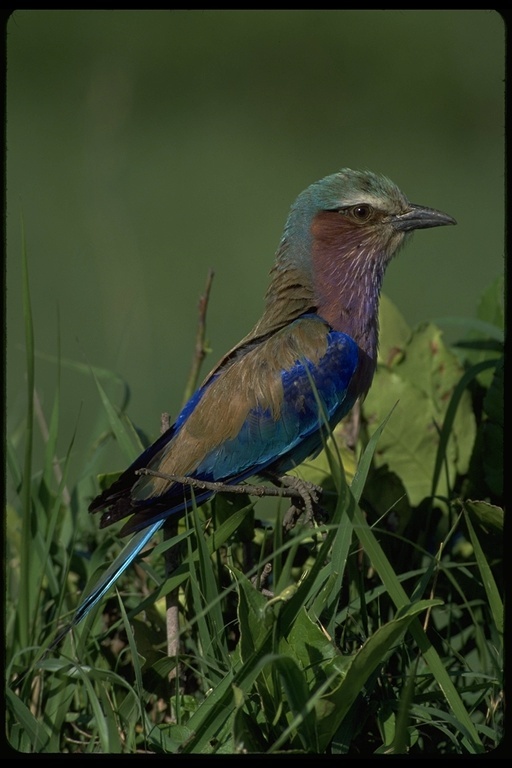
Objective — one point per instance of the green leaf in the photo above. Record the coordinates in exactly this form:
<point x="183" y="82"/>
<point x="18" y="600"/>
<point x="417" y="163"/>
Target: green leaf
<point x="488" y="517"/>
<point x="493" y="428"/>
<point x="308" y="643"/>
<point x="349" y="679"/>
<point x="252" y="606"/>
<point x="27" y="576"/>
<point x="302" y="725"/>
<point x="125" y="435"/>
<point x="420" y="384"/>
<point x="398" y="595"/>
<point x="491" y="589"/>
<point x="491" y="314"/>
<point x="34" y="730"/>
<point x="394" y="332"/>
<point x="491" y="307"/>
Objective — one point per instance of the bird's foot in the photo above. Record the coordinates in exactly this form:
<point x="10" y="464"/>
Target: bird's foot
<point x="307" y="504"/>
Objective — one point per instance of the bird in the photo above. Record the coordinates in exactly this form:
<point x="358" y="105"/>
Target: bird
<point x="270" y="401"/>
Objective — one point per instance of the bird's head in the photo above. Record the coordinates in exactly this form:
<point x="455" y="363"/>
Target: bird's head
<point x="340" y="235"/>
<point x="354" y="215"/>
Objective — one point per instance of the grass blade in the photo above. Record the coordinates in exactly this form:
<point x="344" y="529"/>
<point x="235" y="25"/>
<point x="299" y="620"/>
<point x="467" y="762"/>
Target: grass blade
<point x="25" y="597"/>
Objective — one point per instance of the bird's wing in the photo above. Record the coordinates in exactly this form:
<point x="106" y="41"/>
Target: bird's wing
<point x="262" y="410"/>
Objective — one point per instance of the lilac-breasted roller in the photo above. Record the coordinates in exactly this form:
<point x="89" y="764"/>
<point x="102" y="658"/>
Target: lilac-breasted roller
<point x="263" y="409"/>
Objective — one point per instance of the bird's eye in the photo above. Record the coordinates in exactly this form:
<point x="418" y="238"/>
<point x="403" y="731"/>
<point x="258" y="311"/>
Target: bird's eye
<point x="362" y="212"/>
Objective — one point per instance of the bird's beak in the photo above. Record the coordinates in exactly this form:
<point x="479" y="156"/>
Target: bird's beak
<point x="419" y="217"/>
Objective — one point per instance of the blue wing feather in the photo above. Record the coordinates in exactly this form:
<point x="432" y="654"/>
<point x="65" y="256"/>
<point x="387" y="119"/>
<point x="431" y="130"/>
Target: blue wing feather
<point x="312" y="395"/>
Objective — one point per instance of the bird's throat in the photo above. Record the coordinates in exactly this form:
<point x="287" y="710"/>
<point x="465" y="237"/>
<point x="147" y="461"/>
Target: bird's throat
<point x="347" y="275"/>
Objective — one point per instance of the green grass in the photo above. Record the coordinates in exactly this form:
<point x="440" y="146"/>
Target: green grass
<point x="384" y="632"/>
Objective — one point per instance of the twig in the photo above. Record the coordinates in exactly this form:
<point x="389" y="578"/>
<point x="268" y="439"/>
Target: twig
<point x="172" y="558"/>
<point x="200" y="347"/>
<point x="172" y="608"/>
<point x="260" y="580"/>
<point x="165" y="422"/>
<point x="290" y="487"/>
<point x="291" y="492"/>
<point x="172" y="615"/>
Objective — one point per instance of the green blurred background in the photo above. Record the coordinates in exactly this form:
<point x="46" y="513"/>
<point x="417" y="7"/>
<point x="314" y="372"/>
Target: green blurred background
<point x="145" y="147"/>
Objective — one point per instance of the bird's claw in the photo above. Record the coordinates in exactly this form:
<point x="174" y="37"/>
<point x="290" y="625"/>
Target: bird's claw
<point x="308" y="504"/>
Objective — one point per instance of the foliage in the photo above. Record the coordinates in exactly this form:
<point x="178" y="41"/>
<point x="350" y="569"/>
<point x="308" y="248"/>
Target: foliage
<point x="383" y="632"/>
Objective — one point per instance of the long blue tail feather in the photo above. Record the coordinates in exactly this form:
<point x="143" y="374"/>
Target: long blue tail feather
<point x="120" y="564"/>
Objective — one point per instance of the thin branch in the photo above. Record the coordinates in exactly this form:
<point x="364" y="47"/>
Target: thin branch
<point x="200" y="347"/>
<point x="291" y="492"/>
<point x="260" y="580"/>
<point x="172" y="556"/>
<point x="172" y="613"/>
<point x="290" y="487"/>
<point x="165" y="422"/>
<point x="172" y="607"/>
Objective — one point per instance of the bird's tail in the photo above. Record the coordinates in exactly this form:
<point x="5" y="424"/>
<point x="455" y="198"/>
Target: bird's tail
<point x="120" y="564"/>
